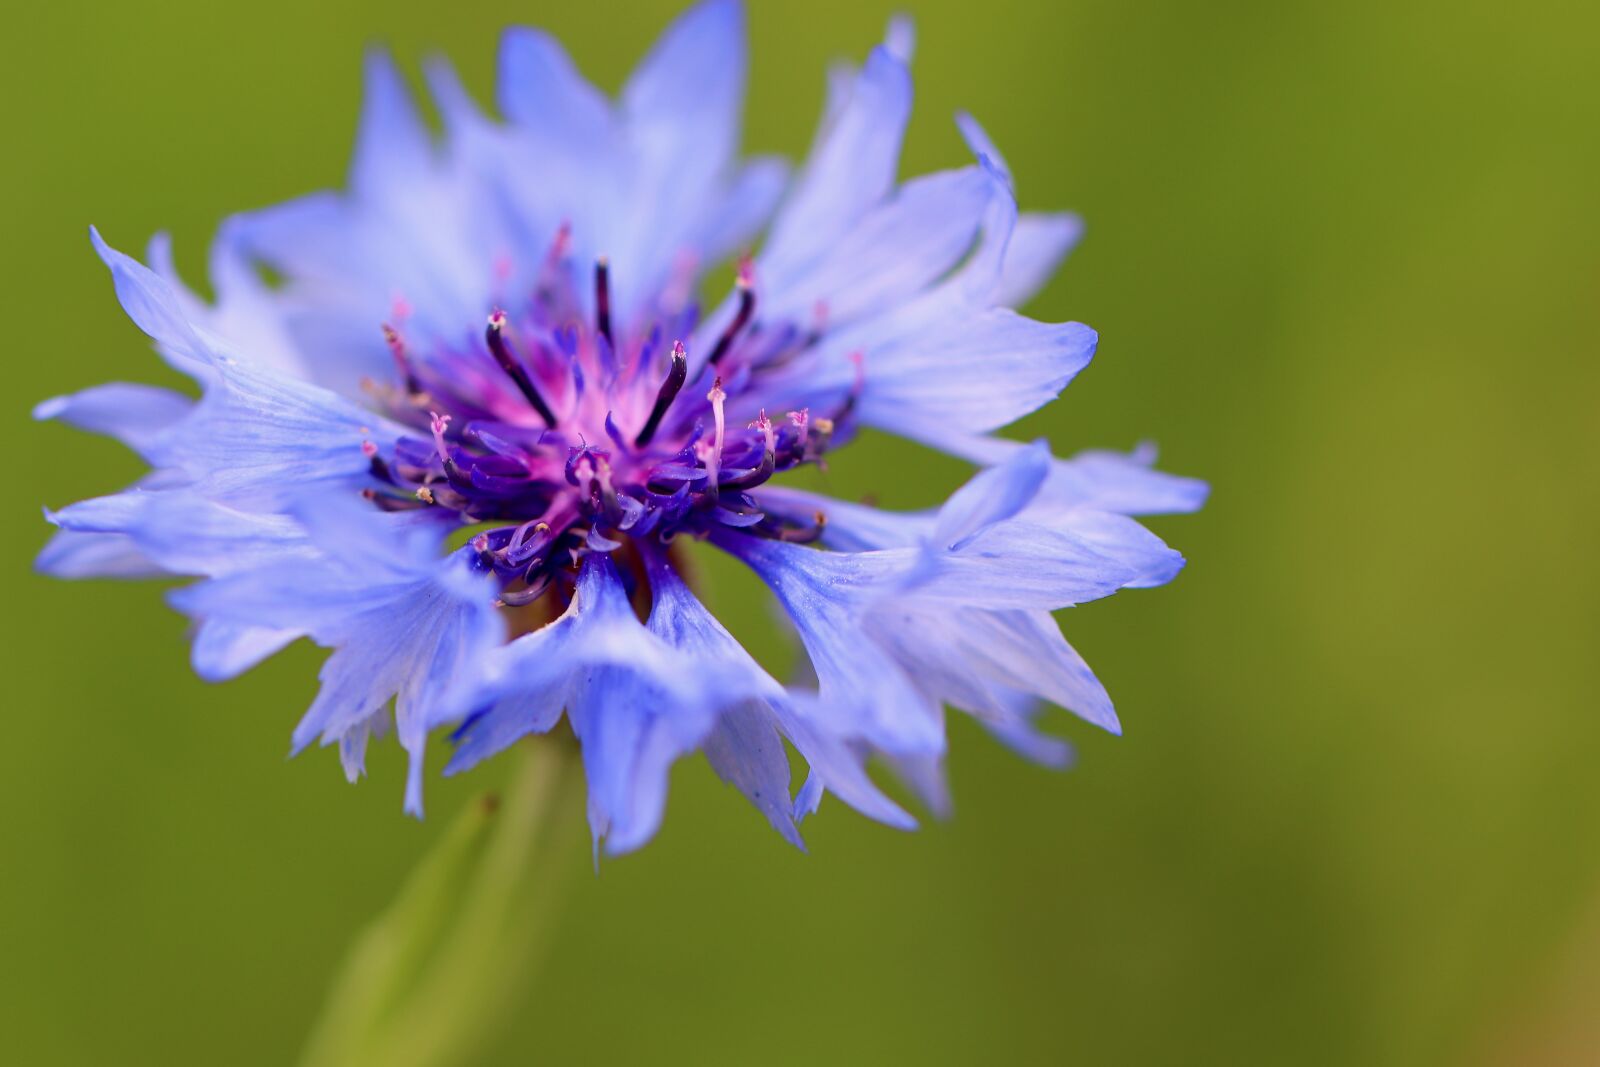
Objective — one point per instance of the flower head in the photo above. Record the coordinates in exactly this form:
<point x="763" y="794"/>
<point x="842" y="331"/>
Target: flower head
<point x="497" y="332"/>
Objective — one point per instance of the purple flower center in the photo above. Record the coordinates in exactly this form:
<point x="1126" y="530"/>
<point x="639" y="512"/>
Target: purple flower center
<point x="566" y="433"/>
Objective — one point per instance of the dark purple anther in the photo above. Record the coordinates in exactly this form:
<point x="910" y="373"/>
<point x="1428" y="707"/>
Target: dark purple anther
<point x="402" y="362"/>
<point x="676" y="375"/>
<point x="747" y="307"/>
<point x="501" y="350"/>
<point x="602" y="298"/>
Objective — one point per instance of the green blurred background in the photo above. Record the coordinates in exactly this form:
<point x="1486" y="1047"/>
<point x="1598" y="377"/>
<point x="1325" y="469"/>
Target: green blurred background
<point x="1345" y="263"/>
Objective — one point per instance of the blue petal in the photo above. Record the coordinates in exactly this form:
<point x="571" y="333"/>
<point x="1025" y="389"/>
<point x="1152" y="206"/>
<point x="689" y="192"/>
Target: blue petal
<point x="224" y="650"/>
<point x="72" y="554"/>
<point x="393" y="147"/>
<point x="136" y="415"/>
<point x="247" y="314"/>
<point x="901" y="38"/>
<point x="850" y="170"/>
<point x="153" y="307"/>
<point x="746" y="750"/>
<point x="402" y="624"/>
<point x="1125" y="483"/>
<point x="542" y="92"/>
<point x="185" y="533"/>
<point x="892" y="253"/>
<point x="729" y="225"/>
<point x="1039" y="243"/>
<point x="255" y="430"/>
<point x="825" y="594"/>
<point x="1027" y="565"/>
<point x="680" y="137"/>
<point x="838" y="764"/>
<point x="974" y="375"/>
<point x="993" y="495"/>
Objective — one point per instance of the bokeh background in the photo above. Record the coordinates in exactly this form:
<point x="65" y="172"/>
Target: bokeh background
<point x="1345" y="263"/>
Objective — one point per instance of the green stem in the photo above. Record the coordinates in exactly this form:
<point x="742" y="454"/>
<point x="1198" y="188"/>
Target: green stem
<point x="433" y="975"/>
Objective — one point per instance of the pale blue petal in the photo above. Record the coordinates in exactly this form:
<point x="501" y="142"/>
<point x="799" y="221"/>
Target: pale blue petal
<point x="247" y="316"/>
<point x="224" y="650"/>
<point x="541" y="91"/>
<point x="924" y="775"/>
<point x="892" y="253"/>
<point x="1026" y="565"/>
<point x="746" y="750"/>
<point x="1038" y="245"/>
<point x="151" y="304"/>
<point x="185" y="533"/>
<point x="1026" y="740"/>
<point x="1125" y="483"/>
<point x="730" y="224"/>
<point x="976" y="375"/>
<point x="136" y="415"/>
<point x="255" y="433"/>
<point x="837" y="764"/>
<point x="992" y="495"/>
<point x="851" y="168"/>
<point x="72" y="554"/>
<point x="393" y="147"/>
<point x="901" y="38"/>
<point x="861" y="689"/>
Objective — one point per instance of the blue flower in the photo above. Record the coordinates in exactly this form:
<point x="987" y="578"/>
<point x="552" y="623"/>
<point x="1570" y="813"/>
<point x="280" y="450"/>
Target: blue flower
<point x="496" y="331"/>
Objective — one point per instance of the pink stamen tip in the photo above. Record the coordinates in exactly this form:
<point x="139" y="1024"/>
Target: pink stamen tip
<point x="679" y="350"/>
<point x="714" y="461"/>
<point x="438" y="424"/>
<point x="497" y="319"/>
<point x="747" y="272"/>
<point x="481" y="542"/>
<point x="369" y="449"/>
<point x="801" y="417"/>
<point x="764" y="424"/>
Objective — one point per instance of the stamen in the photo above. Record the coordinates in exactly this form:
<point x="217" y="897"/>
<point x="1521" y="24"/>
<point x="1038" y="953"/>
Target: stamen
<point x="437" y="425"/>
<point x="390" y="502"/>
<point x="769" y="459"/>
<point x="560" y="244"/>
<point x="522" y="597"/>
<point x="819" y="321"/>
<point x="802" y="535"/>
<point x="608" y="492"/>
<point x="764" y="424"/>
<point x="602" y="298"/>
<point x="537" y="527"/>
<point x="676" y="375"/>
<point x="369" y="449"/>
<point x="500" y="348"/>
<point x="747" y="306"/>
<point x="714" y="461"/>
<point x="402" y="361"/>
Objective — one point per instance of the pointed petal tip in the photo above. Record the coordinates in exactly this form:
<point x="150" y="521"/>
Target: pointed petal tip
<point x="900" y="36"/>
<point x="45" y="410"/>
